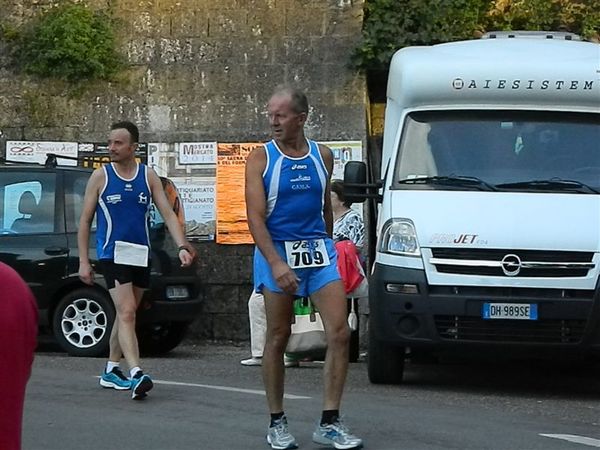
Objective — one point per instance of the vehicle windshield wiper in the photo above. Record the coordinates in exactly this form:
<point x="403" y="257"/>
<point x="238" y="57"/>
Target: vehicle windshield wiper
<point x="451" y="180"/>
<point x="552" y="184"/>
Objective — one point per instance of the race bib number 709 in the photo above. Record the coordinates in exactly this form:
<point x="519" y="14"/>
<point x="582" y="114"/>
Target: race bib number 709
<point x="305" y="254"/>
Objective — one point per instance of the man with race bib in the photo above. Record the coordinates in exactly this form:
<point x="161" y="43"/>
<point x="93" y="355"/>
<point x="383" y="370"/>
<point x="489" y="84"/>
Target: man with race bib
<point x="290" y="218"/>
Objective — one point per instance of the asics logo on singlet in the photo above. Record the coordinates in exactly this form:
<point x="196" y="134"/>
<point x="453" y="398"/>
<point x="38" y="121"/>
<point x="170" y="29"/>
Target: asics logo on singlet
<point x="115" y="198"/>
<point x="142" y="198"/>
<point x="299" y="166"/>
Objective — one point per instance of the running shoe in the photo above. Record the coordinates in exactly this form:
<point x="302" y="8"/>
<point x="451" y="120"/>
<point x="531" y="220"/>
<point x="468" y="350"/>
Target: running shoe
<point x="336" y="435"/>
<point x="279" y="437"/>
<point x="251" y="361"/>
<point x="140" y="385"/>
<point x="115" y="379"/>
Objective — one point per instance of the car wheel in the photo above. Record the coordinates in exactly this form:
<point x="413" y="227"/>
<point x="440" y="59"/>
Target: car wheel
<point x="162" y="337"/>
<point x="385" y="362"/>
<point x="82" y="322"/>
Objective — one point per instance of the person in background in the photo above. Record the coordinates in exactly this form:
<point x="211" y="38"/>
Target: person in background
<point x="18" y="331"/>
<point x="288" y="207"/>
<point x="120" y="194"/>
<point x="347" y="223"/>
<point x="258" y="331"/>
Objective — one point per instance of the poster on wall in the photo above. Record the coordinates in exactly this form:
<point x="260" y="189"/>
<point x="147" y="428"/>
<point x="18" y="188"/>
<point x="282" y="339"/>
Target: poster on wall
<point x="196" y="152"/>
<point x="157" y="157"/>
<point x="232" y="223"/>
<point x="343" y="151"/>
<point x="35" y="152"/>
<point x="93" y="155"/>
<point x="199" y="203"/>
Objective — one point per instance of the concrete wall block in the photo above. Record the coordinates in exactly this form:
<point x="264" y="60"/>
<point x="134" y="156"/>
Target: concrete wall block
<point x="227" y="23"/>
<point x="141" y="50"/>
<point x="230" y="326"/>
<point x="344" y="17"/>
<point x="175" y="51"/>
<point x="305" y="22"/>
<point x="186" y="23"/>
<point x="224" y="299"/>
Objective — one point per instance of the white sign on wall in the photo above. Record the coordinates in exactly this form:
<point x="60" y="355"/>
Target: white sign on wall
<point x="344" y="151"/>
<point x="197" y="152"/>
<point x="199" y="203"/>
<point x="35" y="151"/>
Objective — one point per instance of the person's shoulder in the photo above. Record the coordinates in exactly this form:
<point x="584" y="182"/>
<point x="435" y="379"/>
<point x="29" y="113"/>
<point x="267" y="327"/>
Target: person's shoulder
<point x="257" y="156"/>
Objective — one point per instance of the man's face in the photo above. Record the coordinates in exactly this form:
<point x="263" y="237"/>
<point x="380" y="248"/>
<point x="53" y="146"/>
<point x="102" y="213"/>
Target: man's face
<point x="120" y="146"/>
<point x="285" y="123"/>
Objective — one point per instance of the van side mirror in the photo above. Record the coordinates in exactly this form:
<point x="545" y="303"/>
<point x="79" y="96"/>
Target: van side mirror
<point x="356" y="187"/>
<point x="355" y="180"/>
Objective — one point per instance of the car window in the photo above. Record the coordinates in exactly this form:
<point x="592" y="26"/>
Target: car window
<point x="75" y="183"/>
<point x="28" y="202"/>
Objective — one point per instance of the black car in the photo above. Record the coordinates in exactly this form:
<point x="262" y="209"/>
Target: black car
<point x="40" y="208"/>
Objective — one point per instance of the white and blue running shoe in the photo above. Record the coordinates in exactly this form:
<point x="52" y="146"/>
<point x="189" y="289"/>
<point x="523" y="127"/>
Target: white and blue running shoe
<point x="115" y="379"/>
<point x="336" y="435"/>
<point x="279" y="437"/>
<point x="140" y="385"/>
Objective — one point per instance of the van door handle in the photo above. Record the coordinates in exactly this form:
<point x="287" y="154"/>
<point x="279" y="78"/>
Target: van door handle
<point x="56" y="251"/>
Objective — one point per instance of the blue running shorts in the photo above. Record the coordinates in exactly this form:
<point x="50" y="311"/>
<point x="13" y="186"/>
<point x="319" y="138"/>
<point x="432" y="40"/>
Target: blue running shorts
<point x="311" y="279"/>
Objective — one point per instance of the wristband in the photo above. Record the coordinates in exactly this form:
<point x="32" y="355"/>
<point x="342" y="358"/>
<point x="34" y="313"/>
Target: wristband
<point x="182" y="247"/>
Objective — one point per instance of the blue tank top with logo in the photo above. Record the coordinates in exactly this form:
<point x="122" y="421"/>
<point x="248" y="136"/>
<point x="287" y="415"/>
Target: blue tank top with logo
<point x="295" y="190"/>
<point x="123" y="211"/>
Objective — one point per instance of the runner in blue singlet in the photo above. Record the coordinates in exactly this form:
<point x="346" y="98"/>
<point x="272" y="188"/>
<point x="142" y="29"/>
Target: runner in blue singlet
<point x="290" y="218"/>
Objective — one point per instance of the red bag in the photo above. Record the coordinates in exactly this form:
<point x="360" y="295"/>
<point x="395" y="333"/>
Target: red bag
<point x="348" y="264"/>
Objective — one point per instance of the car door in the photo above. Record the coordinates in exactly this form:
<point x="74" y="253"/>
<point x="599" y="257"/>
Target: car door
<point x="32" y="237"/>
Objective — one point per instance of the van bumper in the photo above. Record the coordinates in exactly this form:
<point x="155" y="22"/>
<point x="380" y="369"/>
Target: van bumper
<point x="450" y="317"/>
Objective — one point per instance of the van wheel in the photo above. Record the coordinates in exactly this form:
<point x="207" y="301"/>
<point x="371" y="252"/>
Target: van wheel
<point x="82" y="322"/>
<point x="385" y="362"/>
<point x="161" y="337"/>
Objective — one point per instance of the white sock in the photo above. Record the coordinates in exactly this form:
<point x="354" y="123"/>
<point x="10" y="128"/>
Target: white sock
<point x="110" y="365"/>
<point x="134" y="370"/>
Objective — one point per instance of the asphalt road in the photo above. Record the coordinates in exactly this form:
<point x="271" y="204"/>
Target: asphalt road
<point x="204" y="399"/>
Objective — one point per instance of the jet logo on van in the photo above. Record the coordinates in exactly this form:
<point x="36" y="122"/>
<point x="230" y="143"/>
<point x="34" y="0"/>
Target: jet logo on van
<point x="517" y="84"/>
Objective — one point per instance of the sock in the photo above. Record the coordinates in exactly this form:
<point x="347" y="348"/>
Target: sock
<point x="275" y="417"/>
<point x="110" y="365"/>
<point x="329" y="416"/>
<point x="134" y="371"/>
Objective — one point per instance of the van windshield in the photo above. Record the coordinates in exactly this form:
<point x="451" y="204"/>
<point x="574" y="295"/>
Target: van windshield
<point x="531" y="151"/>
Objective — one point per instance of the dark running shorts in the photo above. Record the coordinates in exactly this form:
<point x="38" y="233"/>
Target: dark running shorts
<point x="138" y="276"/>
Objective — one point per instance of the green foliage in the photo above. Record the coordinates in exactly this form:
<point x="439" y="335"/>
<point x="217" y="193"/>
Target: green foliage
<point x="69" y="42"/>
<point x="392" y="24"/>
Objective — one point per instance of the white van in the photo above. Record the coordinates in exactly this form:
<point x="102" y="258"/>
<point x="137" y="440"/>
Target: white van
<point x="488" y="231"/>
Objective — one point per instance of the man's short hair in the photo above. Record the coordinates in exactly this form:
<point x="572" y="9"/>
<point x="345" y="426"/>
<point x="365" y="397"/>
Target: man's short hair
<point x="129" y="126"/>
<point x="299" y="102"/>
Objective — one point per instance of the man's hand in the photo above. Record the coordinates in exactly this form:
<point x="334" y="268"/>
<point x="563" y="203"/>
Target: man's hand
<point x="286" y="278"/>
<point x="187" y="254"/>
<point x="86" y="273"/>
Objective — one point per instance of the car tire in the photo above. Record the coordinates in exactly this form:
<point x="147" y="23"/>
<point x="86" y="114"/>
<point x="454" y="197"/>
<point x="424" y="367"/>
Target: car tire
<point x="385" y="362"/>
<point x="162" y="337"/>
<point x="82" y="322"/>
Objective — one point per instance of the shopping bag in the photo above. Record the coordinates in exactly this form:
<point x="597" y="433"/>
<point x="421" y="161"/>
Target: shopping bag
<point x="308" y="333"/>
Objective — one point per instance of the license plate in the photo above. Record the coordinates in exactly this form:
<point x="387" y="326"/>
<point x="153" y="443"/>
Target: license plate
<point x="177" y="293"/>
<point x="521" y="311"/>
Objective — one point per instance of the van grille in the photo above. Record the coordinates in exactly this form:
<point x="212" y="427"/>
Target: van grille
<point x="469" y="328"/>
<point x="512" y="263"/>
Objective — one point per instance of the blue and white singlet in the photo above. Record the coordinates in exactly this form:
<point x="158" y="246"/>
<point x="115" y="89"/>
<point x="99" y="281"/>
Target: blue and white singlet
<point x="123" y="211"/>
<point x="295" y="189"/>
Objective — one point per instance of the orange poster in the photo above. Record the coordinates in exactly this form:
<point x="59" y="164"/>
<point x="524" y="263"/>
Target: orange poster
<point x="232" y="224"/>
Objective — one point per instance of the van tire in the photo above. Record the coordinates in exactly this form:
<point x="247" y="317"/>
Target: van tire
<point x="82" y="322"/>
<point x="385" y="362"/>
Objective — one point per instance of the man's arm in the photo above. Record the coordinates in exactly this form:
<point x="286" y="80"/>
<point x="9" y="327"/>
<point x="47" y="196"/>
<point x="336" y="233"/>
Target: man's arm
<point x="186" y="251"/>
<point x="256" y="211"/>
<point x="327" y="156"/>
<point x="90" y="201"/>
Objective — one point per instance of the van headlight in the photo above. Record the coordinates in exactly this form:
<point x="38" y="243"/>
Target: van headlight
<point x="399" y="238"/>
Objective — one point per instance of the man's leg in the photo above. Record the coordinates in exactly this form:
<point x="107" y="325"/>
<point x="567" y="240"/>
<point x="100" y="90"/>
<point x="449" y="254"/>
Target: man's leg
<point x="125" y="302"/>
<point x="332" y="304"/>
<point x="279" y="309"/>
<point x="258" y="324"/>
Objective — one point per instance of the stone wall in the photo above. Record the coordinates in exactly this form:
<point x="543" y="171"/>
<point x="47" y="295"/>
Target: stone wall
<point x="200" y="70"/>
